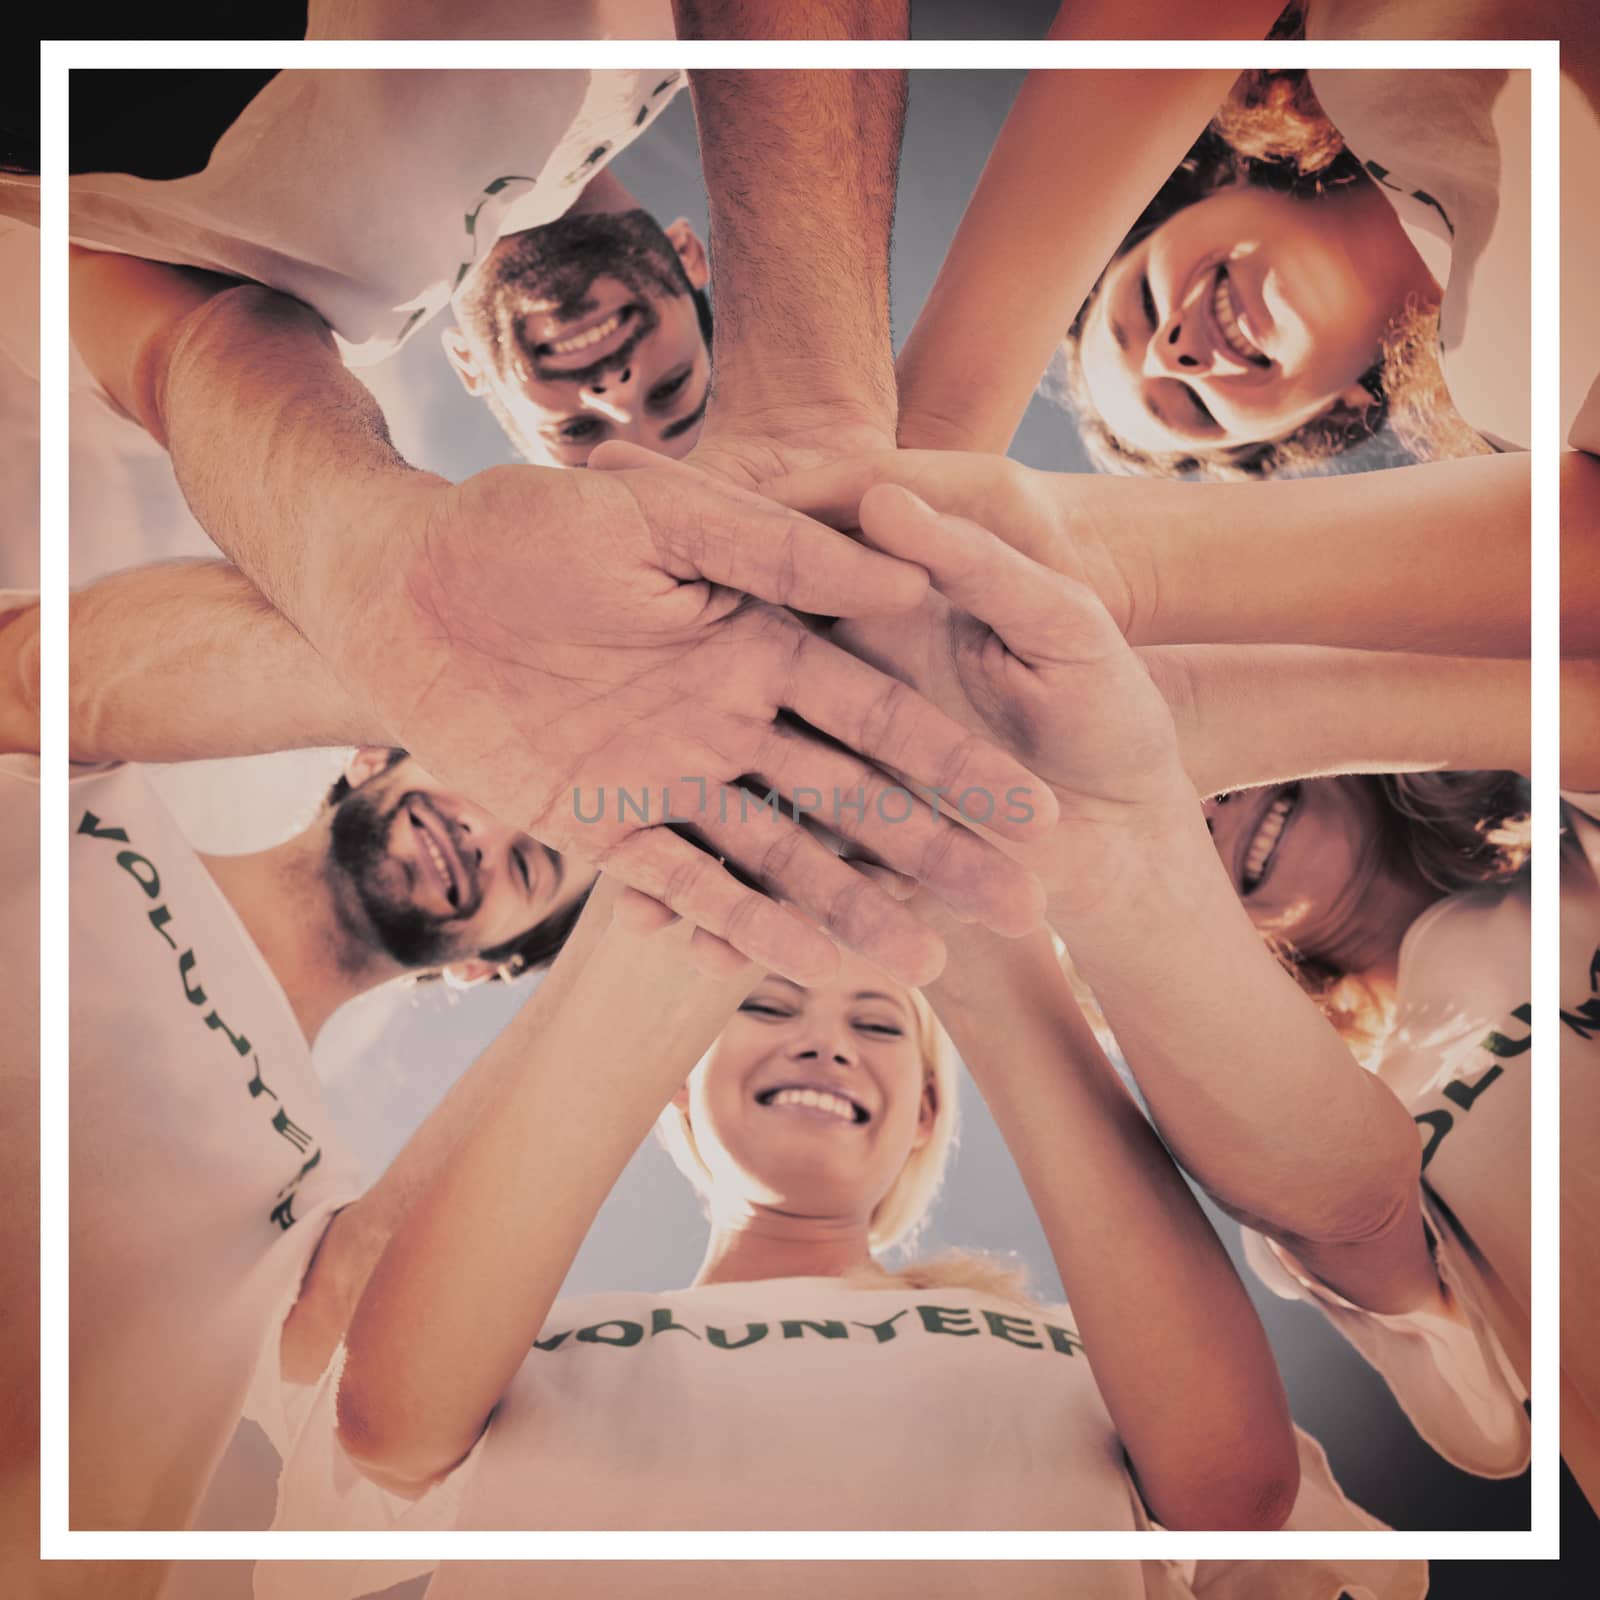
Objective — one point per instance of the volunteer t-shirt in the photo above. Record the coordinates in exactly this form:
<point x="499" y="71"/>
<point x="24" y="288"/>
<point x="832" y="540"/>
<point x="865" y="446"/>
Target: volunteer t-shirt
<point x="1452" y="152"/>
<point x="202" y="1158"/>
<point x="1460" y="1058"/>
<point x="372" y="195"/>
<point x="785" y="1403"/>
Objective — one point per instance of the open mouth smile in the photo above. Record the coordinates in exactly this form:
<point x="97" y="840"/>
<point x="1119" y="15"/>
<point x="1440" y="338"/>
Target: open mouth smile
<point x="1227" y="320"/>
<point x="827" y="1104"/>
<point x="589" y="344"/>
<point x="1262" y="849"/>
<point x="436" y="852"/>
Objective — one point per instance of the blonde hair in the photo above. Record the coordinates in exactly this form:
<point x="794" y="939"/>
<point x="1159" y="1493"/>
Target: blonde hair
<point x="899" y="1216"/>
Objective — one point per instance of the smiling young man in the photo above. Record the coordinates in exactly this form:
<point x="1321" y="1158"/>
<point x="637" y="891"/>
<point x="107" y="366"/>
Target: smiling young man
<point x="204" y="1169"/>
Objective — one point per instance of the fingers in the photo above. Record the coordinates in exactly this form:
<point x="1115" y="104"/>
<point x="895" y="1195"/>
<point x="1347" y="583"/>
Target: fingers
<point x="1040" y="615"/>
<point x="784" y="856"/>
<point x="747" y="542"/>
<point x="921" y="840"/>
<point x="832" y="493"/>
<point x="695" y="886"/>
<point x="881" y="719"/>
<point x="641" y="913"/>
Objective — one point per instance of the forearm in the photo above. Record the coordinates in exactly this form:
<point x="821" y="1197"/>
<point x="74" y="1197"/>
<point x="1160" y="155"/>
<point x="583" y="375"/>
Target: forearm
<point x="1035" y="237"/>
<point x="1431" y="558"/>
<point x="469" y="1276"/>
<point x="358" y="1235"/>
<point x="1251" y="1088"/>
<point x="1255" y="714"/>
<point x="1178" y="1351"/>
<point x="800" y="172"/>
<point x="184" y="661"/>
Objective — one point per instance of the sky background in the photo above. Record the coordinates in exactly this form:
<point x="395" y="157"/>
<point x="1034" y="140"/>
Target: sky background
<point x="387" y="1059"/>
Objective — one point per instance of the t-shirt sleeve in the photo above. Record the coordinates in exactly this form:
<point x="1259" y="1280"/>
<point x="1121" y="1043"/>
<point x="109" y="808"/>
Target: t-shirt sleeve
<point x="321" y="1488"/>
<point x="1450" y="1377"/>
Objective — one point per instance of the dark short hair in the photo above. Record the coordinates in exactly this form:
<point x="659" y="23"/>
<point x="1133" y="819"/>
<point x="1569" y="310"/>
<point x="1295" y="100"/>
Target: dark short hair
<point x="527" y="952"/>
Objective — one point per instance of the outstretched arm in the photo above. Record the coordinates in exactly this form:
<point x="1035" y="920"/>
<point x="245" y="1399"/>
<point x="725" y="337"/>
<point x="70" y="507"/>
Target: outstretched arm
<point x="1429" y="559"/>
<point x="179" y="661"/>
<point x="532" y="633"/>
<point x="569" y="1090"/>
<point x="1040" y="228"/>
<point x="800" y="171"/>
<point x="1178" y="1352"/>
<point x="1252" y="1090"/>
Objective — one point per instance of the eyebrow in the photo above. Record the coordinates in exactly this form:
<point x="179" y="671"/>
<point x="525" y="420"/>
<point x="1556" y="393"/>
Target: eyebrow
<point x="874" y="994"/>
<point x="675" y="430"/>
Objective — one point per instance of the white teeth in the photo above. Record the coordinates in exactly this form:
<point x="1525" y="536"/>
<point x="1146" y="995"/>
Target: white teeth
<point x="817" y="1100"/>
<point x="1266" y="839"/>
<point x="436" y="855"/>
<point x="1227" y="318"/>
<point x="582" y="341"/>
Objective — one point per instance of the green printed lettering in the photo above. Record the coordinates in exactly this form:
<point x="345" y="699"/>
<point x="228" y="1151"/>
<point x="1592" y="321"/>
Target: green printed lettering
<point x="1062" y="1339"/>
<point x="257" y="1084"/>
<point x="1007" y="1328"/>
<point x="130" y="861"/>
<point x="883" y="1332"/>
<point x="1465" y="1093"/>
<point x="1440" y="1122"/>
<point x="943" y="1319"/>
<point x="755" y="1332"/>
<point x="159" y="918"/>
<point x="196" y="995"/>
<point x="627" y="1333"/>
<point x="828" y="1330"/>
<point x="240" y="1043"/>
<point x="551" y="1342"/>
<point x="661" y="1322"/>
<point x="91" y="826"/>
<point x="1501" y="1044"/>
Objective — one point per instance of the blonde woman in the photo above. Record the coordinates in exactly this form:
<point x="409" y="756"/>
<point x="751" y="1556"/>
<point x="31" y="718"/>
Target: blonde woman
<point x="801" y="1381"/>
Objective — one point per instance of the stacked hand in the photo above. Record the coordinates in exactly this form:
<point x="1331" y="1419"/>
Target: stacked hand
<point x="603" y="624"/>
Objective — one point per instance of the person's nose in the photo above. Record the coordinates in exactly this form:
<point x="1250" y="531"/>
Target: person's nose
<point x="823" y="1043"/>
<point x="471" y="833"/>
<point x="1180" y="347"/>
<point x="612" y="396"/>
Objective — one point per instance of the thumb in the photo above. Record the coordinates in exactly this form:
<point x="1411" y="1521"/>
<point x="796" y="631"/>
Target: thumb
<point x="1039" y="615"/>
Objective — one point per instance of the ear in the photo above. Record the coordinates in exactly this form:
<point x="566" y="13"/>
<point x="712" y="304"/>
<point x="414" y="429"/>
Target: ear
<point x="1357" y="397"/>
<point x="691" y="252"/>
<point x="927" y="1113"/>
<point x="470" y="973"/>
<point x="459" y="354"/>
<point x="366" y="762"/>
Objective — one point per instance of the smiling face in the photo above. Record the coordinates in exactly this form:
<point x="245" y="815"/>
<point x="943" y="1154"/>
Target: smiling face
<point x="588" y="329"/>
<point x="428" y="879"/>
<point x="1244" y="316"/>
<point x="1308" y="861"/>
<point x="812" y="1100"/>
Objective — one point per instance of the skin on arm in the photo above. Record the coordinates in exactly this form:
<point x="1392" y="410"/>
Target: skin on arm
<point x="1179" y="1354"/>
<point x="532" y="633"/>
<point x="1256" y="714"/>
<point x="465" y="1284"/>
<point x="1427" y="559"/>
<point x="1252" y="1090"/>
<point x="800" y="173"/>
<point x="1042" y="224"/>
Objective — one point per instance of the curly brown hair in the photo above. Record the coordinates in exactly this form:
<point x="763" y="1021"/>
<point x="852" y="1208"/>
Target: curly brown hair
<point x="1454" y="830"/>
<point x="1273" y="133"/>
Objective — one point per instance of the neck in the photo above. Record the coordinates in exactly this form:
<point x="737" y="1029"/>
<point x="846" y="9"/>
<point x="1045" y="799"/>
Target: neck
<point x="1369" y="224"/>
<point x="775" y="1244"/>
<point x="1389" y="906"/>
<point x="604" y="193"/>
<point x="283" y="898"/>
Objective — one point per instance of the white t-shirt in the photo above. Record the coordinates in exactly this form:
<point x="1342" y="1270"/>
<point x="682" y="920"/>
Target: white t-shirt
<point x="202" y="1162"/>
<point x="786" y="1403"/>
<point x="1452" y="152"/>
<point x="1460" y="1058"/>
<point x="371" y="196"/>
